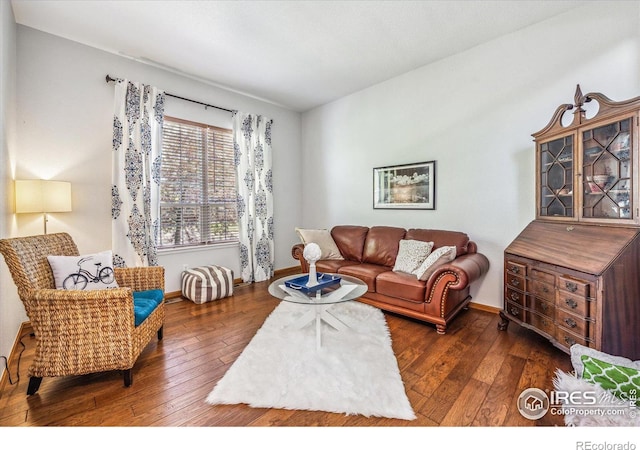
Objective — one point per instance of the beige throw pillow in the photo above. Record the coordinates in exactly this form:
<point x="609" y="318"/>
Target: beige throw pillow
<point x="411" y="254"/>
<point x="323" y="239"/>
<point x="438" y="257"/>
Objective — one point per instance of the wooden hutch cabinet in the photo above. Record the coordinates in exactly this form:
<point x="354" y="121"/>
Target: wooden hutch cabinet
<point x="573" y="274"/>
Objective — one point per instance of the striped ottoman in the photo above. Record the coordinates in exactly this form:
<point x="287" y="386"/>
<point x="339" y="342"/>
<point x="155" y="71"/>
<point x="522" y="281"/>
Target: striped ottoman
<point x="207" y="283"/>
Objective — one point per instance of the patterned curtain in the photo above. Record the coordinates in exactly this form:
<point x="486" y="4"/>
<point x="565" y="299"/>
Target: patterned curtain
<point x="252" y="145"/>
<point x="137" y="143"/>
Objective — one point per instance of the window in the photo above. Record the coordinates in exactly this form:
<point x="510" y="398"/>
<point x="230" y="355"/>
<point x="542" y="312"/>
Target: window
<point x="197" y="185"/>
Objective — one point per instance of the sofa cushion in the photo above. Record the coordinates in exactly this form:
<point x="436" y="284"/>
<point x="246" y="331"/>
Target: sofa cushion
<point x="333" y="265"/>
<point x="437" y="258"/>
<point x="382" y="244"/>
<point x="441" y="238"/>
<point x="365" y="272"/>
<point x="411" y="254"/>
<point x="401" y="285"/>
<point x="324" y="240"/>
<point x="350" y="240"/>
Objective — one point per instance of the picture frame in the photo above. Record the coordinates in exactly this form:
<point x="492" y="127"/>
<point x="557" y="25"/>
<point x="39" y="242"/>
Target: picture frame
<point x="405" y="186"/>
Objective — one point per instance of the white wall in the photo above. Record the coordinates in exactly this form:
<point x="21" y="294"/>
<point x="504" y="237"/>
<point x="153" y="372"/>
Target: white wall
<point x="65" y="111"/>
<point x="11" y="310"/>
<point x="474" y="114"/>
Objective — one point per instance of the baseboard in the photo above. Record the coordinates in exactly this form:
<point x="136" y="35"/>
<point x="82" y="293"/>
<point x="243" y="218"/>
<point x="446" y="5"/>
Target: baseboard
<point x="481" y="307"/>
<point x="287" y="271"/>
<point x="172" y="295"/>
<point x="25" y="328"/>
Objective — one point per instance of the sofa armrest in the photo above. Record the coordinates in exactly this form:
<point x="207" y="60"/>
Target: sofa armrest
<point x="297" y="253"/>
<point x="469" y="268"/>
<point x="458" y="274"/>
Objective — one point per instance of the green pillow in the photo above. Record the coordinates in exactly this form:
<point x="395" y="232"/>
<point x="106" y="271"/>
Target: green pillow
<point x="623" y="382"/>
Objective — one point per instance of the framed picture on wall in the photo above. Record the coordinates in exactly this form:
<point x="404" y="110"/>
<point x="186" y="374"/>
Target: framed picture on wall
<point x="408" y="186"/>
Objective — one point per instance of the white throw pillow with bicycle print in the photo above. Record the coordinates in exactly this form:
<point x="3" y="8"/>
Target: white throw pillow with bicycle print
<point x="85" y="272"/>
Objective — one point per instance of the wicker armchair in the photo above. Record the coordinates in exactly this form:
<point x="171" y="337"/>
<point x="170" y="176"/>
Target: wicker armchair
<point x="80" y="332"/>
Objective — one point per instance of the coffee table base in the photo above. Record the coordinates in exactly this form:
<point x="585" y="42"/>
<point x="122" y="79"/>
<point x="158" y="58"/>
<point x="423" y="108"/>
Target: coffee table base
<point x="319" y="314"/>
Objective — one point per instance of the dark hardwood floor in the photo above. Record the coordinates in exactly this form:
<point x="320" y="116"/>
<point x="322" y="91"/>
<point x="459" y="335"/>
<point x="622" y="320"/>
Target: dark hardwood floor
<point x="471" y="376"/>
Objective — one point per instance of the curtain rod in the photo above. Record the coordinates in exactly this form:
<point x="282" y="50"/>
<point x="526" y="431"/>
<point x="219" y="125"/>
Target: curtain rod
<point x="109" y="78"/>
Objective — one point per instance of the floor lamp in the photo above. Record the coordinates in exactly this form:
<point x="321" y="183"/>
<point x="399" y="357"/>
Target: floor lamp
<point x="42" y="196"/>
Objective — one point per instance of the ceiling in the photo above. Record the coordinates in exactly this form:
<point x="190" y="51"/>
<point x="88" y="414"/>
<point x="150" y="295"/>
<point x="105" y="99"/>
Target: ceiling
<point x="296" y="54"/>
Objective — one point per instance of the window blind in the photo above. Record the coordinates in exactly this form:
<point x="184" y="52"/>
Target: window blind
<point x="197" y="185"/>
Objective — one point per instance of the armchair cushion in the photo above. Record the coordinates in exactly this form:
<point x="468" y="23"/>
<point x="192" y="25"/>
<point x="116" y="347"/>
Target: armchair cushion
<point x="157" y="295"/>
<point x="85" y="272"/>
<point x="142" y="308"/>
<point x="144" y="302"/>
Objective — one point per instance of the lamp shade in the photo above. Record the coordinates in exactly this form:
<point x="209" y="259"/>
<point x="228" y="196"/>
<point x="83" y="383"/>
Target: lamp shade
<point x="38" y="196"/>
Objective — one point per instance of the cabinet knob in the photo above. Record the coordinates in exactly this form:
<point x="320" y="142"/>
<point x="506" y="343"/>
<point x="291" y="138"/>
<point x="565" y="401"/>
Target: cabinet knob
<point x="571" y="287"/>
<point x="515" y="282"/>
<point x="569" y="341"/>
<point x="514" y="311"/>
<point x="570" y="322"/>
<point x="514" y="269"/>
<point x="571" y="303"/>
<point x="544" y="307"/>
<point x="515" y="297"/>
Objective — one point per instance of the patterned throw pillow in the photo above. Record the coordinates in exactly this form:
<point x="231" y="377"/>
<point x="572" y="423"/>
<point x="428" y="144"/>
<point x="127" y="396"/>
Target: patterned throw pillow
<point x="324" y="239"/>
<point x="86" y="272"/>
<point x="411" y="254"/>
<point x="623" y="382"/>
<point x="437" y="258"/>
<point x="616" y="374"/>
<point x="578" y="351"/>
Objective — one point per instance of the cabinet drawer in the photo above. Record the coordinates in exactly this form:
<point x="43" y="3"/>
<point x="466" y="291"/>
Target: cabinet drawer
<point x="539" y="275"/>
<point x="567" y="338"/>
<point x="573" y="286"/>
<point x="515" y="268"/>
<point x="514" y="296"/>
<point x="542" y="307"/>
<point x="571" y="322"/>
<point x="515" y="310"/>
<point x="515" y="281"/>
<point x="542" y="290"/>
<point x="574" y="303"/>
<point x="542" y="323"/>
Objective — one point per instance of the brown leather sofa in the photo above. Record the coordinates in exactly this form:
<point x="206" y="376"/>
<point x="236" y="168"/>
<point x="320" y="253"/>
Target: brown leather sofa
<point x="370" y="253"/>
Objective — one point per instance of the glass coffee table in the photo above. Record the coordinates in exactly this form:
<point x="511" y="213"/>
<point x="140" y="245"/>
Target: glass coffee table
<point x="319" y="301"/>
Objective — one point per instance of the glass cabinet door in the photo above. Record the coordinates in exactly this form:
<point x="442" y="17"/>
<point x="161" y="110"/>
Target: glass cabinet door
<point x="556" y="177"/>
<point x="606" y="169"/>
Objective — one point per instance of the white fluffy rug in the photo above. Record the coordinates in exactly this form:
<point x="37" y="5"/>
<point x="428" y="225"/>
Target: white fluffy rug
<point x="355" y="371"/>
